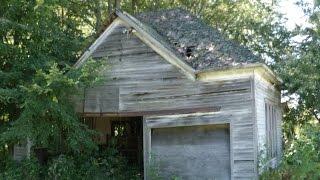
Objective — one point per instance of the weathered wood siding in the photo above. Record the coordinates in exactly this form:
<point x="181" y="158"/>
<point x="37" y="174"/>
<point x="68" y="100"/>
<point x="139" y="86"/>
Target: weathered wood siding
<point x="266" y="92"/>
<point x="139" y="80"/>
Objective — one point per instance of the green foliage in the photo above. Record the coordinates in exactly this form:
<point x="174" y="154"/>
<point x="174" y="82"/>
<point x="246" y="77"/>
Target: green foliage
<point x="301" y="75"/>
<point x="39" y="40"/>
<point x="62" y="167"/>
<point x="48" y="117"/>
<point x="26" y="169"/>
<point x="107" y="164"/>
<point x="301" y="157"/>
<point x="34" y="35"/>
<point x="300" y="71"/>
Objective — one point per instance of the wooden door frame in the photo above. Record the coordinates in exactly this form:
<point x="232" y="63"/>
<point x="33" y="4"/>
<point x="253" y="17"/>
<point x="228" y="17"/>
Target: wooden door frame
<point x="194" y="119"/>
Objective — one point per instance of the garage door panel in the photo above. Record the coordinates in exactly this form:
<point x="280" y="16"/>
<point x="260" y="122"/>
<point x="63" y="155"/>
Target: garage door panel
<point x="195" y="152"/>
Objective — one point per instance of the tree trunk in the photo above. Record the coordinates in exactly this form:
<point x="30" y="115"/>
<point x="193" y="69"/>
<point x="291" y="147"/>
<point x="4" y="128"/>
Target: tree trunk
<point x="117" y="4"/>
<point x="110" y="7"/>
<point x="134" y="6"/>
<point x="97" y="13"/>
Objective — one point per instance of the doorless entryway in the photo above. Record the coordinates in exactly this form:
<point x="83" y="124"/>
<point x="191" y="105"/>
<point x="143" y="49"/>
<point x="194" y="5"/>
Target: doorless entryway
<point x="125" y="133"/>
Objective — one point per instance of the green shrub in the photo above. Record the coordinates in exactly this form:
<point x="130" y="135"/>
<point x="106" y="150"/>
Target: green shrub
<point x="114" y="166"/>
<point x="26" y="169"/>
<point x="62" y="167"/>
<point x="103" y="164"/>
<point x="301" y="158"/>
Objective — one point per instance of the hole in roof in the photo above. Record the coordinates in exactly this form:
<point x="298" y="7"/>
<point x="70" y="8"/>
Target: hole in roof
<point x="189" y="51"/>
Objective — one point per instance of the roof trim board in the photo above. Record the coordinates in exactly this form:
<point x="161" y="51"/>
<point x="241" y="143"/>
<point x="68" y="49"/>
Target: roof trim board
<point x="238" y="71"/>
<point x="144" y="37"/>
<point x="157" y="46"/>
<point x="97" y="42"/>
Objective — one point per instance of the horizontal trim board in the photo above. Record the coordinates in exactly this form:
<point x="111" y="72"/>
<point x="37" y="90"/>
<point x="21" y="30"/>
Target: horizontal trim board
<point x="166" y="123"/>
<point x="194" y="119"/>
<point x="237" y="71"/>
<point x="160" y="112"/>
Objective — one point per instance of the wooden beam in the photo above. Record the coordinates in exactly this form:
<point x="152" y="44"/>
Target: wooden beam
<point x="148" y="113"/>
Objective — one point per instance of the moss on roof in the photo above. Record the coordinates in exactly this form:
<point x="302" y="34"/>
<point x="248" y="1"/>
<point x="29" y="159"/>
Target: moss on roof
<point x="200" y="45"/>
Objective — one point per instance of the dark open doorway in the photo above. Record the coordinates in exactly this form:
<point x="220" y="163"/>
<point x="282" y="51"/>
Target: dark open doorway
<point x="126" y="133"/>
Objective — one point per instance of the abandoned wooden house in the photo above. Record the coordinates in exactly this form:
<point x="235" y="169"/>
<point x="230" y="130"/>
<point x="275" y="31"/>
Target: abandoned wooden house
<point x="181" y="95"/>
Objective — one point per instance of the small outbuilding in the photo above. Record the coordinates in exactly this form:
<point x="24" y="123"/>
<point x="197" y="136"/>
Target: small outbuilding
<point x="182" y="96"/>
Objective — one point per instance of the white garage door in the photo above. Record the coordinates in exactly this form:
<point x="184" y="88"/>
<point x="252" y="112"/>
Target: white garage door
<point x="196" y="152"/>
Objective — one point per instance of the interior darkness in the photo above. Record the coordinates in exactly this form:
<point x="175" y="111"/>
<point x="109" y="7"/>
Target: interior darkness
<point x="125" y="133"/>
<point x="189" y="51"/>
<point x="129" y="139"/>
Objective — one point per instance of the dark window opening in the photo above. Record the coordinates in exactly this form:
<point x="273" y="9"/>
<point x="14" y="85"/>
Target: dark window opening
<point x="272" y="117"/>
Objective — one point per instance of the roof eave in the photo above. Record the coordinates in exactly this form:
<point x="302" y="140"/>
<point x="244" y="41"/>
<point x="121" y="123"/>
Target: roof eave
<point x="237" y="71"/>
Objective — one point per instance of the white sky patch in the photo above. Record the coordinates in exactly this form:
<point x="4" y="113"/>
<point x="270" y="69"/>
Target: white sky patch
<point x="291" y="100"/>
<point x="293" y="13"/>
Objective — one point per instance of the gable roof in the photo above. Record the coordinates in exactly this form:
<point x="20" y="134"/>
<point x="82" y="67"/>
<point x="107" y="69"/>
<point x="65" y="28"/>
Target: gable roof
<point x="184" y="41"/>
<point x="200" y="45"/>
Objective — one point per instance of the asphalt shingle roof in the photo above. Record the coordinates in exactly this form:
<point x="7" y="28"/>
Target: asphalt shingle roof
<point x="200" y="45"/>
